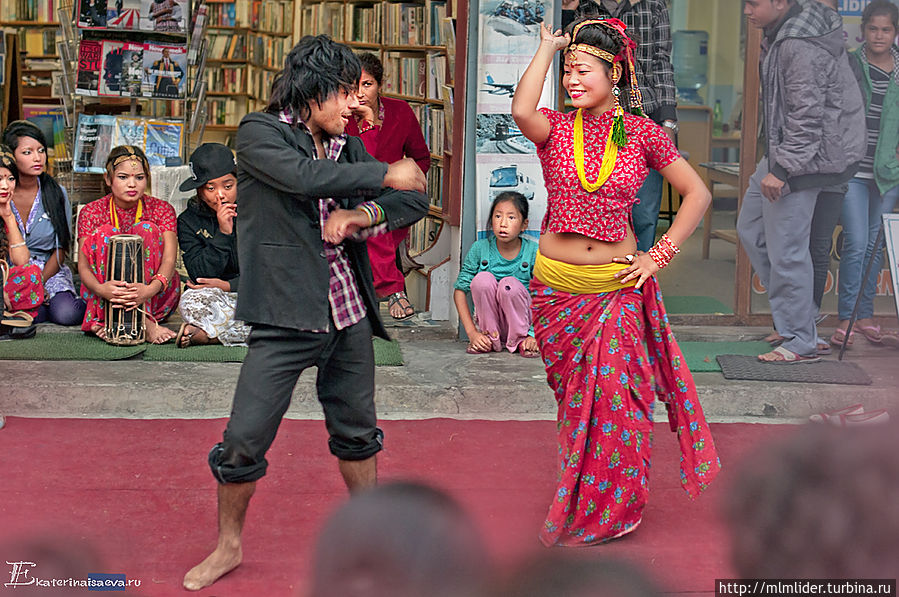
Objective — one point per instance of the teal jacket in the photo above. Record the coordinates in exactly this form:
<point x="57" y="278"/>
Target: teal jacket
<point x="886" y="165"/>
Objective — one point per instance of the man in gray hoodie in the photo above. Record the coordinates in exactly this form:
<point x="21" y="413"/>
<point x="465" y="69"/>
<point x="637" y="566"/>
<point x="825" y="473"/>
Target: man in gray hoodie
<point x="814" y="125"/>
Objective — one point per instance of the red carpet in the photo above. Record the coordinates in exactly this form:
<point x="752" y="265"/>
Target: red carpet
<point x="141" y="492"/>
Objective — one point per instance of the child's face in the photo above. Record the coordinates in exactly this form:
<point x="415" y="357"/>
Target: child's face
<point x="879" y="34"/>
<point x="507" y="222"/>
<point x="128" y="182"/>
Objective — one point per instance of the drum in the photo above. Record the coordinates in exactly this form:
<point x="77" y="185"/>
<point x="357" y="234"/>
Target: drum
<point x="125" y="263"/>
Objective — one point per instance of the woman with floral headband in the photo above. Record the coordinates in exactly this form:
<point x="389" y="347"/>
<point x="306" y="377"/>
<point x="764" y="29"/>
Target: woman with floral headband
<point x="127" y="209"/>
<point x="598" y="313"/>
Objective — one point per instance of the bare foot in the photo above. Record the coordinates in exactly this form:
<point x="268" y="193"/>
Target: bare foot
<point x="219" y="563"/>
<point x="158" y="334"/>
<point x="99" y="330"/>
<point x="193" y="336"/>
<point x="529" y="348"/>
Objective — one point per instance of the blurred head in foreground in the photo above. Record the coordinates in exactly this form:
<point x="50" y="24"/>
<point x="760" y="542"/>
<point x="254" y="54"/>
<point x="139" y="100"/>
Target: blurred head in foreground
<point x="822" y="504"/>
<point x="400" y="539"/>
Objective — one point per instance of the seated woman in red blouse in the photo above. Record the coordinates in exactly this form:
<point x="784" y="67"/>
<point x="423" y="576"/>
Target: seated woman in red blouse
<point x="128" y="210"/>
<point x="390" y="132"/>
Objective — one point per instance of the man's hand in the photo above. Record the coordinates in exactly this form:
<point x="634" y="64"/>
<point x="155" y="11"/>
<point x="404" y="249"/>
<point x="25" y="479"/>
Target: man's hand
<point x="225" y="213"/>
<point x="210" y="283"/>
<point x="342" y="223"/>
<point x="405" y="175"/>
<point x="772" y="187"/>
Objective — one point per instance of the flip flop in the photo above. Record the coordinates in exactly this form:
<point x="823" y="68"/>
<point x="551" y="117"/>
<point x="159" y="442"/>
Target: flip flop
<point x="839" y="337"/>
<point x="182" y="332"/>
<point x="871" y="333"/>
<point x="788" y="357"/>
<point x="394" y="299"/>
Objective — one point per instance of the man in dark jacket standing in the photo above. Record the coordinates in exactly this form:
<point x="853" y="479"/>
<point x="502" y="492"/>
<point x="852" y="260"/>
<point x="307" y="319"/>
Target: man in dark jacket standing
<point x="308" y="197"/>
<point x="814" y="127"/>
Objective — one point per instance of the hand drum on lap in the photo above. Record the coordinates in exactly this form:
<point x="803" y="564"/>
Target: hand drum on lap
<point x="125" y="263"/>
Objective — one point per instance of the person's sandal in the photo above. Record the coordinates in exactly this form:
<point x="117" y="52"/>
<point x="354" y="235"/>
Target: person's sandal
<point x="871" y="333"/>
<point x="839" y="338"/>
<point x="786" y="356"/>
<point x="394" y="299"/>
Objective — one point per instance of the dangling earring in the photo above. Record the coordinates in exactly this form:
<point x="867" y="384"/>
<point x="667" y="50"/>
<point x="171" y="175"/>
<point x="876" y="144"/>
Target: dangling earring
<point x="619" y="135"/>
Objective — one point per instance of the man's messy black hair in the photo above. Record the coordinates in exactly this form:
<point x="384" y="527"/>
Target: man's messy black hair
<point x="315" y="69"/>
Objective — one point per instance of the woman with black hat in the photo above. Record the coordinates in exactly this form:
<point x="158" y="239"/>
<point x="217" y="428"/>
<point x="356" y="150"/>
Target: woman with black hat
<point x="208" y="239"/>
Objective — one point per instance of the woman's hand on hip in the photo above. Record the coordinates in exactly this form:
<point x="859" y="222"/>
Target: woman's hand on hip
<point x="641" y="268"/>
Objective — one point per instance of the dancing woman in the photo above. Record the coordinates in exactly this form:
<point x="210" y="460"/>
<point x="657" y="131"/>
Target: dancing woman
<point x="598" y="314"/>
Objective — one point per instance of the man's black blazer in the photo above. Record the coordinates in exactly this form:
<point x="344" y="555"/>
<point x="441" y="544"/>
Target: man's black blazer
<point x="283" y="269"/>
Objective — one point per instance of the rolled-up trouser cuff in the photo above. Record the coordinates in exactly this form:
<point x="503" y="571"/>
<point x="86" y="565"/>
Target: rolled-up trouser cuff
<point x="228" y="474"/>
<point x="345" y="450"/>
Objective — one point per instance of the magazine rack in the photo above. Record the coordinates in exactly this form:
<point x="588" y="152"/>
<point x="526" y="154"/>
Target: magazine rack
<point x="132" y="74"/>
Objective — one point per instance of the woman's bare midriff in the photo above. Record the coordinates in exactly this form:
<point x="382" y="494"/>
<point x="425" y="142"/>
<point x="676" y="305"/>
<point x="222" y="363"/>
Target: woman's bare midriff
<point x="577" y="249"/>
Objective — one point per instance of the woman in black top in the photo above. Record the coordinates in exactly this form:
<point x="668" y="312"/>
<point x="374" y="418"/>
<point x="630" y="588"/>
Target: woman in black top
<point x="208" y="241"/>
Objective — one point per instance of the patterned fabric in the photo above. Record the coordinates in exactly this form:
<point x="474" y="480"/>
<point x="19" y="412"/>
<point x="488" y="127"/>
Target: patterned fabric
<point x="96" y="214"/>
<point x="24" y="288"/>
<point x="38" y="232"/>
<point x="655" y="73"/>
<point x="602" y="215"/>
<point x="346" y="303"/>
<point x="880" y="82"/>
<point x="212" y="310"/>
<point x="607" y="357"/>
<point x="158" y="217"/>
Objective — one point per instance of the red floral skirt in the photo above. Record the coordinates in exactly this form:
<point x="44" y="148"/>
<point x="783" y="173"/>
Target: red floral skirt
<point x="25" y="288"/>
<point x="608" y="356"/>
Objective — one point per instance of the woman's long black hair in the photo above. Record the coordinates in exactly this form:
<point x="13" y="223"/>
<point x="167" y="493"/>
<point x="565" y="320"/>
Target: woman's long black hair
<point x="315" y="69"/>
<point x="52" y="195"/>
<point x="8" y="161"/>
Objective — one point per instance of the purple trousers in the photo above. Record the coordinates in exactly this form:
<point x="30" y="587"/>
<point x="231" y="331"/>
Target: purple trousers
<point x="502" y="306"/>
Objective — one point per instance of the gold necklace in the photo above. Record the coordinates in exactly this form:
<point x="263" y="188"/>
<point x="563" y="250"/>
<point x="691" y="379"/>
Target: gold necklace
<point x="608" y="157"/>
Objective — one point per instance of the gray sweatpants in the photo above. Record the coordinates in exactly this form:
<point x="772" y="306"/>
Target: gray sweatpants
<point x="775" y="235"/>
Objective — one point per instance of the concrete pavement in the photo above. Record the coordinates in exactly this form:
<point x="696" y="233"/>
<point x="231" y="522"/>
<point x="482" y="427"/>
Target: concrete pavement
<point x="438" y="379"/>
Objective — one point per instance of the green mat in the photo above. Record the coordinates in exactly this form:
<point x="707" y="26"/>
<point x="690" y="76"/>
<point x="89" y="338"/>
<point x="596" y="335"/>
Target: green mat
<point x="69" y="346"/>
<point x="210" y="353"/>
<point x="683" y="305"/>
<point x="701" y="355"/>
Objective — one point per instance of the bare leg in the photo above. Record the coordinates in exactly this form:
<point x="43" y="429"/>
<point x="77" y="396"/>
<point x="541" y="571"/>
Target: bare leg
<point x="233" y="499"/>
<point x="359" y="474"/>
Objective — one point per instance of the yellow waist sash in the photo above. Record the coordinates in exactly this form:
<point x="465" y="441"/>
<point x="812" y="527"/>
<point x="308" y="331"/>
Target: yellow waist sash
<point x="579" y="279"/>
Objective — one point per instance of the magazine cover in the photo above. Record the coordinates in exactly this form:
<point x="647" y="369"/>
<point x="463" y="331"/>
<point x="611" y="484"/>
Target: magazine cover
<point x="163" y="141"/>
<point x="164" y="69"/>
<point x="93" y="140"/>
<point x="168" y="16"/>
<point x="92" y="14"/>
<point x="132" y="69"/>
<point x="123" y="14"/>
<point x="90" y="55"/>
<point x="111" y="68"/>
<point x="130" y="131"/>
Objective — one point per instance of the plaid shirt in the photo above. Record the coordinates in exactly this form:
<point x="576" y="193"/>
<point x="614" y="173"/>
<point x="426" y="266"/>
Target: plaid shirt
<point x="655" y="73"/>
<point x="347" y="306"/>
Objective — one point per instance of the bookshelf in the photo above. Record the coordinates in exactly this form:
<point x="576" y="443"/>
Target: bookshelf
<point x="248" y="41"/>
<point x="411" y="40"/>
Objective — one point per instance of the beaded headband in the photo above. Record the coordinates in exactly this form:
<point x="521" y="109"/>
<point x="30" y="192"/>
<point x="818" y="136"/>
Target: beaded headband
<point x="130" y="156"/>
<point x="626" y="54"/>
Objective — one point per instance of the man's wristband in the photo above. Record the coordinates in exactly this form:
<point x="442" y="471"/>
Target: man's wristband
<point x="162" y="279"/>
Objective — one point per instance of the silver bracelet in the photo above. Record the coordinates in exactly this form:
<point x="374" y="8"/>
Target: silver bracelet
<point x="17" y="245"/>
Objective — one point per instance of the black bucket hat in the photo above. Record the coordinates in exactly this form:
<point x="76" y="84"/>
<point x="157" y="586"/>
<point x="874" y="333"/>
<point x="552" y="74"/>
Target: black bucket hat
<point x="208" y="162"/>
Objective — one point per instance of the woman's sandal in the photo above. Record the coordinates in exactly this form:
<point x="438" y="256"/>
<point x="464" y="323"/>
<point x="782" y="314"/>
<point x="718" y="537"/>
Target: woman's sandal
<point x="408" y="309"/>
<point x="871" y="333"/>
<point x="528" y="353"/>
<point x="787" y="357"/>
<point x="839" y="338"/>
